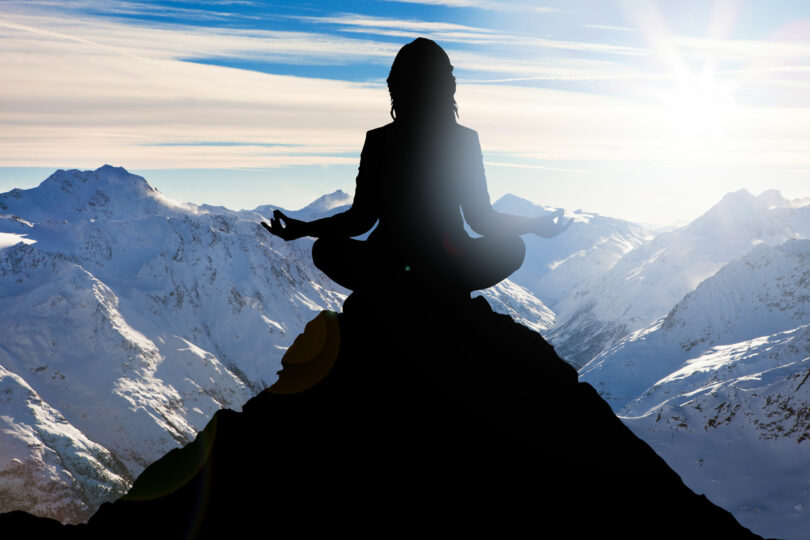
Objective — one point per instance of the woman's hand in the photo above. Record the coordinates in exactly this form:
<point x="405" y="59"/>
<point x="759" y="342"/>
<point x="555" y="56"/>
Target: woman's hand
<point x="551" y="225"/>
<point x="285" y="227"/>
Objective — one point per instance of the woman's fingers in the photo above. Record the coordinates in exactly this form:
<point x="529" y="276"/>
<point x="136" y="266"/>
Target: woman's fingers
<point x="553" y="224"/>
<point x="279" y="220"/>
<point x="275" y="228"/>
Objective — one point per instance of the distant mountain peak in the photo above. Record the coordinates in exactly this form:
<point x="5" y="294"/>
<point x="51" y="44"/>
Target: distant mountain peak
<point x="734" y="209"/>
<point x="107" y="169"/>
<point x="739" y="195"/>
<point x="328" y="202"/>
<point x="511" y="197"/>
<point x="512" y="204"/>
<point x="108" y="190"/>
<point x="106" y="175"/>
<point x="772" y="198"/>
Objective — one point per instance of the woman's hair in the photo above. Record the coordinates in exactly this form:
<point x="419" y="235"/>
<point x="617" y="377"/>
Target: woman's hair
<point x="421" y="77"/>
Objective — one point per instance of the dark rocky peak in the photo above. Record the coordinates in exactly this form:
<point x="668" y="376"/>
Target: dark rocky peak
<point x="476" y="427"/>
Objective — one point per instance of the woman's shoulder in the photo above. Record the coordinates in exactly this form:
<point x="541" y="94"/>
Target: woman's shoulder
<point x="454" y="125"/>
<point x="464" y="131"/>
<point x="456" y="132"/>
<point x="380" y="131"/>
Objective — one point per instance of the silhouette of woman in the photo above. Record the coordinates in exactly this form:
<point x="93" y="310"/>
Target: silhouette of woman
<point x="417" y="175"/>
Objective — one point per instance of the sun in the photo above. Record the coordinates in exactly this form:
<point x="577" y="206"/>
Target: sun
<point x="699" y="108"/>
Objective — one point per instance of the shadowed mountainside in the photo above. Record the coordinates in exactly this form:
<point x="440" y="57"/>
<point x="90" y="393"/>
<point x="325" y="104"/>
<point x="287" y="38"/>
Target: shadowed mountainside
<point x="478" y="426"/>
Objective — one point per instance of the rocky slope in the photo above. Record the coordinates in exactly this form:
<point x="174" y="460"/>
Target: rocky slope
<point x="445" y="433"/>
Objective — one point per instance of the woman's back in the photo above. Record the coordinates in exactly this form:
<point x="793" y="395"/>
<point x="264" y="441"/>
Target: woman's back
<point x="417" y="174"/>
<point x="416" y="177"/>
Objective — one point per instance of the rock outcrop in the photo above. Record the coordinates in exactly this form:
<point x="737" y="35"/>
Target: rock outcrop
<point x="476" y="427"/>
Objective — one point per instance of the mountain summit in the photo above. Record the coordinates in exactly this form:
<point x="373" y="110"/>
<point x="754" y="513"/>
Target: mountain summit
<point x="328" y="202"/>
<point x="325" y="205"/>
<point x="370" y="431"/>
<point x="109" y="191"/>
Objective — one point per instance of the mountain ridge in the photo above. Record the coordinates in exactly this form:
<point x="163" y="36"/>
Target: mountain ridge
<point x="647" y="281"/>
<point x="765" y="292"/>
<point x="201" y="293"/>
<point x="718" y="386"/>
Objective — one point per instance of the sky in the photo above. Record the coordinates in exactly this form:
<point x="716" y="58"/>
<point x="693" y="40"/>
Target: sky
<point x="643" y="110"/>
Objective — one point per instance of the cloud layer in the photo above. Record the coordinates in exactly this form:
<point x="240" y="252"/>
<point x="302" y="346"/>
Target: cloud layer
<point x="79" y="88"/>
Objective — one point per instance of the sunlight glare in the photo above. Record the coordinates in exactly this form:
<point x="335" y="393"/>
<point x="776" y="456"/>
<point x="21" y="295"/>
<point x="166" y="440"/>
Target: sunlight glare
<point x="699" y="109"/>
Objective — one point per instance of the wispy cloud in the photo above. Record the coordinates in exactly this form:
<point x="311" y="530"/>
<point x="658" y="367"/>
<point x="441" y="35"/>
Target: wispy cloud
<point x="69" y="99"/>
<point x="609" y="27"/>
<point x="493" y="5"/>
<point x="76" y="90"/>
<point x="167" y="41"/>
<point x="170" y="42"/>
<point x="536" y="167"/>
<point x="745" y="50"/>
<point x="79" y="87"/>
<point x="439" y="31"/>
<point x="455" y="33"/>
<point x="130" y="8"/>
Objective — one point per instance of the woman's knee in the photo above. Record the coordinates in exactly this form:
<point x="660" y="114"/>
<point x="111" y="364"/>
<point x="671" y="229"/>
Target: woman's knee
<point x="322" y="251"/>
<point x="514" y="250"/>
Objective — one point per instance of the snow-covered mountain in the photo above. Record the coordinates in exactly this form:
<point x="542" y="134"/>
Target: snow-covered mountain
<point x="323" y="206"/>
<point x="718" y="387"/>
<point x="742" y="438"/>
<point x="761" y="294"/>
<point x="511" y="299"/>
<point x="649" y="280"/>
<point x="133" y="319"/>
<point x="129" y="319"/>
<point x="590" y="247"/>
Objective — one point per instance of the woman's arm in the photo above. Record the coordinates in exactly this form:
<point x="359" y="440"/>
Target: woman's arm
<point x="480" y="215"/>
<point x="359" y="218"/>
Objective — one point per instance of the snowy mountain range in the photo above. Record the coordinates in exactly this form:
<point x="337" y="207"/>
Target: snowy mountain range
<point x="555" y="266"/>
<point x="323" y="206"/>
<point x="648" y="281"/>
<point x="762" y="294"/>
<point x="716" y="381"/>
<point x="718" y="387"/>
<point x="129" y="319"/>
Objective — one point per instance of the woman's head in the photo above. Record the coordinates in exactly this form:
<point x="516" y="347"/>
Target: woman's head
<point x="421" y="81"/>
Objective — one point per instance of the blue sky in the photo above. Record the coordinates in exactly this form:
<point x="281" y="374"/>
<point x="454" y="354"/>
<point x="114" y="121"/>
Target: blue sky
<point x="645" y="110"/>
